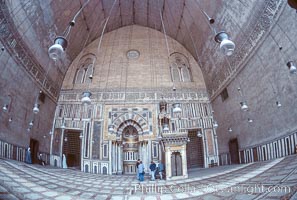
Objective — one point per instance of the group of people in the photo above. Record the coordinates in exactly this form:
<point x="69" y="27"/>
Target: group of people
<point x="153" y="168"/>
<point x="28" y="157"/>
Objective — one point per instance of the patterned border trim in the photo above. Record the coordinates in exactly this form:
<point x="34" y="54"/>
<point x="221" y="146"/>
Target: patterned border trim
<point x="134" y="96"/>
<point x="18" y="50"/>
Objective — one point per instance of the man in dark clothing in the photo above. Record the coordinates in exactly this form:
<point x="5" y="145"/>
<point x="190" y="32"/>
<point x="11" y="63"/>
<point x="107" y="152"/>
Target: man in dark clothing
<point x="137" y="163"/>
<point x="153" y="169"/>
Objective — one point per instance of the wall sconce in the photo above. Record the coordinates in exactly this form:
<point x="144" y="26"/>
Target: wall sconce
<point x="65" y="139"/>
<point x="226" y="45"/>
<point x="292" y="67"/>
<point x="60" y="44"/>
<point x="81" y="135"/>
<point x="230" y="129"/>
<point x="10" y="120"/>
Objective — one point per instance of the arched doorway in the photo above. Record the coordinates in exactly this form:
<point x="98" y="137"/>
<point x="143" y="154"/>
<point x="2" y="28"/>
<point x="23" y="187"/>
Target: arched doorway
<point x="130" y="149"/>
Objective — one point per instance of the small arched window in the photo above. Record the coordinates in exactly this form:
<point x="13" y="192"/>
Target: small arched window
<point x="180" y="68"/>
<point x="85" y="69"/>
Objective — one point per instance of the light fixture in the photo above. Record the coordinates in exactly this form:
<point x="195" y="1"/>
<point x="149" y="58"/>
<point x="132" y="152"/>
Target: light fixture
<point x="230" y="129"/>
<point x="86" y="100"/>
<point x="81" y="135"/>
<point x="278" y="104"/>
<point x="51" y="132"/>
<point x="56" y="51"/>
<point x="31" y="124"/>
<point x="250" y="120"/>
<point x="5" y="108"/>
<point x="111" y="128"/>
<point x="10" y="120"/>
<point x="165" y="128"/>
<point x="215" y="124"/>
<point x="65" y="139"/>
<point x="292" y="67"/>
<point x="36" y="108"/>
<point x="226" y="45"/>
<point x="244" y="106"/>
<point x="28" y="129"/>
<point x="176" y="108"/>
<point x="199" y="134"/>
<point x="188" y="139"/>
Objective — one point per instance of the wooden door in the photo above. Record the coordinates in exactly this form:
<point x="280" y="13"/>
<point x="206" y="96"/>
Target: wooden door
<point x="176" y="164"/>
<point x="34" y="146"/>
<point x="233" y="149"/>
<point x="195" y="157"/>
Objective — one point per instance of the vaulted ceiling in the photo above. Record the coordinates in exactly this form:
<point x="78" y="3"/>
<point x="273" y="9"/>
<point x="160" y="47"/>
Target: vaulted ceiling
<point x="39" y="22"/>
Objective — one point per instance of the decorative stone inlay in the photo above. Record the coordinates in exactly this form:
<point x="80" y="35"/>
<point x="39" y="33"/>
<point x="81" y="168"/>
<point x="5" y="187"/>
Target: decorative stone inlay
<point x="133" y="54"/>
<point x="175" y="138"/>
<point x="245" y="49"/>
<point x="134" y="96"/>
<point x="18" y="50"/>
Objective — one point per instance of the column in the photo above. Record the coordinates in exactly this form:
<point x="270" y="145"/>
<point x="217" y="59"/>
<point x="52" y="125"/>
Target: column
<point x="120" y="170"/>
<point x="116" y="156"/>
<point x="168" y="163"/>
<point x="110" y="157"/>
<point x="216" y="147"/>
<point x="61" y="147"/>
<point x="205" y="149"/>
<point x="150" y="156"/>
<point x="113" y="158"/>
<point x="184" y="161"/>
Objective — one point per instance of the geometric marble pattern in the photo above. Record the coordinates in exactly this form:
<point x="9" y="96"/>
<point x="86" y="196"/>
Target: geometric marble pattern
<point x="276" y="179"/>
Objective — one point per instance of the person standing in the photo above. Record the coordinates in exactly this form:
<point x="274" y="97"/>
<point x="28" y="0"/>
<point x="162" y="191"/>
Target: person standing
<point x="64" y="163"/>
<point x="137" y="164"/>
<point x="161" y="168"/>
<point x="141" y="171"/>
<point x="28" y="156"/>
<point x="153" y="170"/>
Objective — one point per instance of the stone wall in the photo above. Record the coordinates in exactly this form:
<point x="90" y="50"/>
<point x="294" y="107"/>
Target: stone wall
<point x="151" y="70"/>
<point x="264" y="80"/>
<point x="19" y="90"/>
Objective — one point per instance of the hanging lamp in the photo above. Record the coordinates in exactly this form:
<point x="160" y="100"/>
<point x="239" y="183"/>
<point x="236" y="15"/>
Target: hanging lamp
<point x="57" y="50"/>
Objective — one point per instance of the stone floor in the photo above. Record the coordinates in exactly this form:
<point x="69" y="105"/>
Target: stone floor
<point x="276" y="179"/>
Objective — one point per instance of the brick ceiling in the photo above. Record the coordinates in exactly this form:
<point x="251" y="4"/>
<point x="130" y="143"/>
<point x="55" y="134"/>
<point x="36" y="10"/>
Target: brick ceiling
<point x="183" y="21"/>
